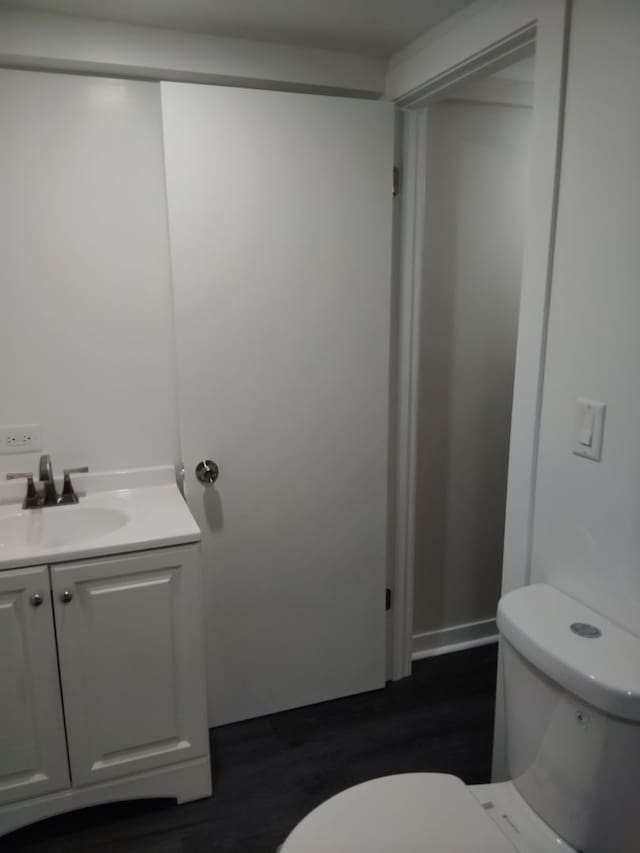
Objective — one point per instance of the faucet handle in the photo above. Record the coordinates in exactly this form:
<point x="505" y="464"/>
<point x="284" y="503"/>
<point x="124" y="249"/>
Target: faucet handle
<point x="32" y="498"/>
<point x="68" y="495"/>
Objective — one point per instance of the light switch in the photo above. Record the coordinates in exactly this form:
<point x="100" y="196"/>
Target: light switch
<point x="585" y="432"/>
<point x="589" y="428"/>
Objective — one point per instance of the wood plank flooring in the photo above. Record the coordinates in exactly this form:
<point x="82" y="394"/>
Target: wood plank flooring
<point x="271" y="771"/>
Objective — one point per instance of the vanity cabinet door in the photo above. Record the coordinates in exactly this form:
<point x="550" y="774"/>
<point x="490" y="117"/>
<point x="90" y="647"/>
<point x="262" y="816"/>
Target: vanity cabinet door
<point x="131" y="660"/>
<point x="33" y="750"/>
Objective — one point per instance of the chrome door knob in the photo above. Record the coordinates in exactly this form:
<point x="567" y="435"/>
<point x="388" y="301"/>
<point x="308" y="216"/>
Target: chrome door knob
<point x="66" y="596"/>
<point x="207" y="472"/>
<point x="36" y="599"/>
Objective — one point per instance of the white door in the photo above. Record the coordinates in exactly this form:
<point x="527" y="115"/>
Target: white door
<point x="33" y="749"/>
<point x="280" y="227"/>
<point x="131" y="661"/>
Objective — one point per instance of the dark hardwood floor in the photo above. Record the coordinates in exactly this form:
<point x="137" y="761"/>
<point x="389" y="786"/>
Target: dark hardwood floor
<point x="271" y="771"/>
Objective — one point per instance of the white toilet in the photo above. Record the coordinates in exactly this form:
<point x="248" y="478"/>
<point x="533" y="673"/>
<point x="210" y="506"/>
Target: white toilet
<point x="572" y="708"/>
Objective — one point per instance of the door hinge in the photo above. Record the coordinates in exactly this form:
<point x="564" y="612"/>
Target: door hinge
<point x="387" y="599"/>
<point x="396" y="180"/>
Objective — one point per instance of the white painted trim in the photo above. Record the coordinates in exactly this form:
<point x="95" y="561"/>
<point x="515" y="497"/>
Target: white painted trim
<point x="454" y="639"/>
<point x="535" y="294"/>
<point x="49" y="42"/>
<point x="411" y="243"/>
<point x="464" y="43"/>
<point x="484" y="44"/>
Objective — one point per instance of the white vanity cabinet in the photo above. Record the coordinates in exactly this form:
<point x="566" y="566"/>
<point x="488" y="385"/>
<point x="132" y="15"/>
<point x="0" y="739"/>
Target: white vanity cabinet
<point x="33" y="752"/>
<point x="131" y="662"/>
<point x="102" y="683"/>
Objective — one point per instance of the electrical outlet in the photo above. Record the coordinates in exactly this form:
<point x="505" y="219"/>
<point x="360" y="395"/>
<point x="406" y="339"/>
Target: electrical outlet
<point x="24" y="438"/>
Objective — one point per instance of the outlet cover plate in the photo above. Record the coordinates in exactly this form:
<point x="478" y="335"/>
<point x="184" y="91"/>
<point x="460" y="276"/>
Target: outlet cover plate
<point x="23" y="438"/>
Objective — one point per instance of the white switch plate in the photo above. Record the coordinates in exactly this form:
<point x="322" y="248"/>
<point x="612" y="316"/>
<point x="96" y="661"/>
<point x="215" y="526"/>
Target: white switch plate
<point x="23" y="438"/>
<point x="589" y="428"/>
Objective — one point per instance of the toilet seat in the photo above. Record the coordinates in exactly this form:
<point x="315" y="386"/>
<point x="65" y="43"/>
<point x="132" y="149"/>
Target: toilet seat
<point x="409" y="813"/>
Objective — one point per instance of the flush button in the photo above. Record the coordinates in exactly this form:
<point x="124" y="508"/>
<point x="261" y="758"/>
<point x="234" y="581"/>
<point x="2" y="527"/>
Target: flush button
<point x="583" y="629"/>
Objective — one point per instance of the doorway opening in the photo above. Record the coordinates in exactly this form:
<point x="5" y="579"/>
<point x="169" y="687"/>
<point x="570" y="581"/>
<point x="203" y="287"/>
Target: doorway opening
<point x="477" y="171"/>
<point x="463" y="69"/>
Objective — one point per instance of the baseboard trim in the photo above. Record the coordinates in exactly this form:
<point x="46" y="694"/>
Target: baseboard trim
<point x="454" y="639"/>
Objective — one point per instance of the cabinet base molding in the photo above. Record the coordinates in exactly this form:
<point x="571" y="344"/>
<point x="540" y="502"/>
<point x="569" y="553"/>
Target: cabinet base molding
<point x="190" y="780"/>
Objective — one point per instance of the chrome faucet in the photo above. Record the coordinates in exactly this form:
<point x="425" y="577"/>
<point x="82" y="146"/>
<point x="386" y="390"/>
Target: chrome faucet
<point x="50" y="493"/>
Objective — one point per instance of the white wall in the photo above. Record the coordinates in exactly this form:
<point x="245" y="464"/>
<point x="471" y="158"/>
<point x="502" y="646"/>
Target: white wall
<point x="587" y="520"/>
<point x="55" y="42"/>
<point x="477" y="172"/>
<point x="86" y="340"/>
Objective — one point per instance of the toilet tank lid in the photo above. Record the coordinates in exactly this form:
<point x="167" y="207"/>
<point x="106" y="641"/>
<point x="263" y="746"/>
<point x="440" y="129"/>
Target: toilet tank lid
<point x="554" y="633"/>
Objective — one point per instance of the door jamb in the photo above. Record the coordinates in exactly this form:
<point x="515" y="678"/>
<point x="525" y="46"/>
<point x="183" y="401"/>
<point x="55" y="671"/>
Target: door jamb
<point x="548" y="30"/>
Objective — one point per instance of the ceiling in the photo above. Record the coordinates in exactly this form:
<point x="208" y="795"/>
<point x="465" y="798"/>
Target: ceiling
<point x="375" y="28"/>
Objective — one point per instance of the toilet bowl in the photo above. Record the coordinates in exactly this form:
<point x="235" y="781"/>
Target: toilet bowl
<point x="572" y="711"/>
<point x="424" y="813"/>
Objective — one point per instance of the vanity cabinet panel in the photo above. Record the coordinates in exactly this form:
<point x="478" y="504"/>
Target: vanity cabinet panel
<point x="131" y="661"/>
<point x="33" y="751"/>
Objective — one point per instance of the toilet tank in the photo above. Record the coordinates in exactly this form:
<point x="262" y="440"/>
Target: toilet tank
<point x="572" y="710"/>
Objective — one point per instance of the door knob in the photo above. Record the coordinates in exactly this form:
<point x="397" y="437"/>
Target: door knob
<point x="66" y="596"/>
<point x="207" y="472"/>
<point x="36" y="599"/>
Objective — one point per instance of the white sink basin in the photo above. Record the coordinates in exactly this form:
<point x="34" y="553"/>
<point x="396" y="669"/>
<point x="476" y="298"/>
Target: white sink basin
<point x="119" y="512"/>
<point x="55" y="527"/>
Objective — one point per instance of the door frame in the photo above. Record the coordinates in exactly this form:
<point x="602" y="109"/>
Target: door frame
<point x="487" y="37"/>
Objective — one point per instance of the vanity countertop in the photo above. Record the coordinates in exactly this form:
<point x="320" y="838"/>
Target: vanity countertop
<point x="118" y="512"/>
